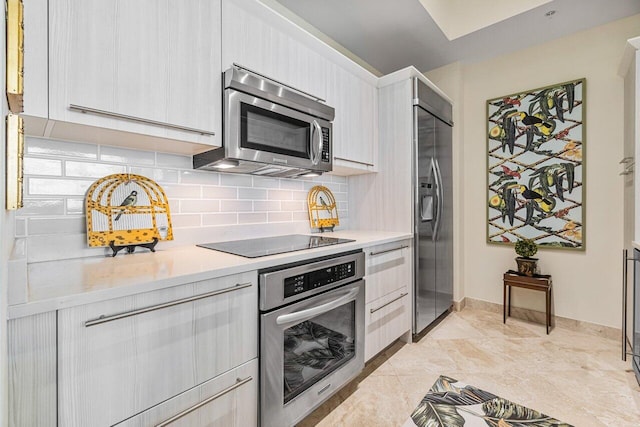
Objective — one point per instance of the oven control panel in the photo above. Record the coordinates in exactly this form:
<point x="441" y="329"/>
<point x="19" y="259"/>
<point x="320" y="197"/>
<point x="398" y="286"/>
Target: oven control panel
<point x="315" y="279"/>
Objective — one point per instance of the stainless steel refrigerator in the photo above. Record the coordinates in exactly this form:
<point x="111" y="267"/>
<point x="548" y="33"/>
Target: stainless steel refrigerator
<point x="433" y="205"/>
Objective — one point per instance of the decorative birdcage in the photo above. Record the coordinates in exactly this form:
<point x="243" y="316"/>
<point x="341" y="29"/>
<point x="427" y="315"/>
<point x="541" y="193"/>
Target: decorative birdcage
<point x="125" y="211"/>
<point x="323" y="211"/>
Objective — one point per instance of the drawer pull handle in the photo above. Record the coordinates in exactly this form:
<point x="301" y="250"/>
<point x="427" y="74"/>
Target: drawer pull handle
<point x="353" y="161"/>
<point x="105" y="319"/>
<point x="98" y="112"/>
<point x="239" y="382"/>
<point x="388" y="250"/>
<point x="373" y="310"/>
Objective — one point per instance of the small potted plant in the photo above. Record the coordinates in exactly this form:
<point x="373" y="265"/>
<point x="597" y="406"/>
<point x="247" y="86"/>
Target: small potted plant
<point x="526" y="248"/>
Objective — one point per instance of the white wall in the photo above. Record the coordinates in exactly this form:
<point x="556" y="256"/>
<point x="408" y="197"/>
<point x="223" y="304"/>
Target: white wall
<point x="586" y="284"/>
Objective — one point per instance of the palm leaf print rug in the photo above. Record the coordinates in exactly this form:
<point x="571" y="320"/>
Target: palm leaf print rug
<point x="451" y="403"/>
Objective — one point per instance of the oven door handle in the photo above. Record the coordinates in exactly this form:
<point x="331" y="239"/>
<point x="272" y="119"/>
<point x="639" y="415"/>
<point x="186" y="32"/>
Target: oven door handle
<point x="309" y="313"/>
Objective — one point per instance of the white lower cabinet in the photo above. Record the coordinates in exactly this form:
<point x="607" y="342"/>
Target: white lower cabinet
<point x="120" y="357"/>
<point x="386" y="319"/>
<point x="388" y="295"/>
<point x="228" y="400"/>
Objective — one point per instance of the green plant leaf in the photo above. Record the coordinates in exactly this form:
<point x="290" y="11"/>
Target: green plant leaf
<point x="517" y="415"/>
<point x="429" y="414"/>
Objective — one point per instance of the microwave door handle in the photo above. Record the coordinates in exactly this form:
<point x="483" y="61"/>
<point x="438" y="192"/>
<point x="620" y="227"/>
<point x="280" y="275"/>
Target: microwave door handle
<point x="315" y="156"/>
<point x="309" y="313"/>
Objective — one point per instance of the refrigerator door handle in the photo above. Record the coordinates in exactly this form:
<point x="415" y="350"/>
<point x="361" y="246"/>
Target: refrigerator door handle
<point x="439" y="198"/>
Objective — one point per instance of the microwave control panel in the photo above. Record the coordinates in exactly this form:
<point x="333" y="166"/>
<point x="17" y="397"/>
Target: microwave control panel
<point x="326" y="155"/>
<point x="318" y="278"/>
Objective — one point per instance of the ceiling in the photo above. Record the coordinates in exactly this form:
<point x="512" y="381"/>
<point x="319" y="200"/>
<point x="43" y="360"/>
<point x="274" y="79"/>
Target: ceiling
<point x="393" y="34"/>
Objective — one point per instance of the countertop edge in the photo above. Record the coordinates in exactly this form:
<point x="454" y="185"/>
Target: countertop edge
<point x="142" y="283"/>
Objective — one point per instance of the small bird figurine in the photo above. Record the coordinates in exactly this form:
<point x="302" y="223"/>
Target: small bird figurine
<point x="324" y="204"/>
<point x="130" y="200"/>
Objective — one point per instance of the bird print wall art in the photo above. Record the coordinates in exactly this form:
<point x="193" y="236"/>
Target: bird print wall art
<point x="535" y="155"/>
<point x="127" y="210"/>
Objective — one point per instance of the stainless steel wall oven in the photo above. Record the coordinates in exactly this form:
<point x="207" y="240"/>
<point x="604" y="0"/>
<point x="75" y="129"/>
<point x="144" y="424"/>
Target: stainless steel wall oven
<point x="311" y="334"/>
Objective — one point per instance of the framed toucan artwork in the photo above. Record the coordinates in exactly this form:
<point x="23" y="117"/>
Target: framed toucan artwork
<point x="535" y="164"/>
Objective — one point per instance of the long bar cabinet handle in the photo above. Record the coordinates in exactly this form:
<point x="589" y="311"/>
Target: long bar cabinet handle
<point x="105" y="319"/>
<point x="388" y="250"/>
<point x="239" y="382"/>
<point x="625" y="271"/>
<point x="353" y="161"/>
<point x="138" y="119"/>
<point x="402" y="295"/>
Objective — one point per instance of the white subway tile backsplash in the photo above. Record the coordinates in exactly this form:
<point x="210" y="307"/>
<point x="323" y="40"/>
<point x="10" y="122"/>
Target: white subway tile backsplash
<point x="265" y="182"/>
<point x="279" y="216"/>
<point x="199" y="177"/>
<point x="173" y="161"/>
<point x="51" y="147"/>
<point x="279" y="195"/>
<point x="62" y="187"/>
<point x="75" y="207"/>
<point x="299" y="195"/>
<point x="300" y="216"/>
<point x="91" y="170"/>
<point x="338" y="179"/>
<point x="186" y="220"/>
<point x="236" y="206"/>
<point x="293" y="206"/>
<point x="220" y="219"/>
<point x="219" y="193"/>
<point x="252" y="194"/>
<point x="177" y="191"/>
<point x="266" y="205"/>
<point x="67" y="225"/>
<point x="124" y="155"/>
<point x="236" y="180"/>
<point x="340" y="196"/>
<point x="41" y="207"/>
<point x="205" y="206"/>
<point x="252" y="218"/>
<point x="37" y="166"/>
<point x="161" y="176"/>
<point x="202" y="206"/>
<point x="291" y="184"/>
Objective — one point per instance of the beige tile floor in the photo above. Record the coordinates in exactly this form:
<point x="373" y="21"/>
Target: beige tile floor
<point x="573" y="376"/>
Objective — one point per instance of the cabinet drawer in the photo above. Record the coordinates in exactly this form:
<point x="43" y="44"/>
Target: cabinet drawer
<point x="386" y="319"/>
<point x="119" y="357"/>
<point x="388" y="268"/>
<point x="229" y="400"/>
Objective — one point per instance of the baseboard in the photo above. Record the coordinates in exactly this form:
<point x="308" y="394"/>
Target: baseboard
<point x="539" y="317"/>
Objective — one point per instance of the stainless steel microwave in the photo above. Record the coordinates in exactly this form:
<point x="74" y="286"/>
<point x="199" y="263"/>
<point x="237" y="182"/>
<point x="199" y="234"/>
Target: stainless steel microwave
<point x="270" y="129"/>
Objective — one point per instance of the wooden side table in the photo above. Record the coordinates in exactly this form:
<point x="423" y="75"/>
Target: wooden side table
<point x="537" y="282"/>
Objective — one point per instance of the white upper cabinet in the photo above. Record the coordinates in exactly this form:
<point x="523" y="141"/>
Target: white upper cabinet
<point x="257" y="38"/>
<point x="144" y="67"/>
<point x="355" y="138"/>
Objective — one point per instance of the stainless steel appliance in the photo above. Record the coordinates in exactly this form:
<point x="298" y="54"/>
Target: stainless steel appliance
<point x="311" y="334"/>
<point x="433" y="215"/>
<point x="254" y="248"/>
<point x="270" y="129"/>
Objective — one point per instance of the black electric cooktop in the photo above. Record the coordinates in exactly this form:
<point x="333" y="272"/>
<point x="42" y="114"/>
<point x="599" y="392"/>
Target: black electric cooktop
<point x="254" y="248"/>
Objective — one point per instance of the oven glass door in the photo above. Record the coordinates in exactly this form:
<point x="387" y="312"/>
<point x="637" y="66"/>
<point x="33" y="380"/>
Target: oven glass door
<point x="269" y="131"/>
<point x="316" y="347"/>
<point x="309" y="350"/>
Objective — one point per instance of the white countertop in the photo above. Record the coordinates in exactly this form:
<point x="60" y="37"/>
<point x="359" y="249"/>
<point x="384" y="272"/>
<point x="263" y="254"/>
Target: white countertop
<point x="56" y="285"/>
<point x="636" y="245"/>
